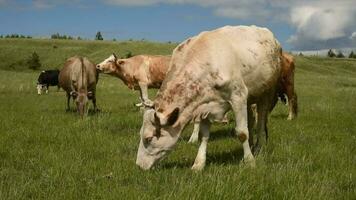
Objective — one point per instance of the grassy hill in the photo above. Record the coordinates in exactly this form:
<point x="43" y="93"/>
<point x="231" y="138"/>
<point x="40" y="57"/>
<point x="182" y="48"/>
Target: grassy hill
<point x="53" y="53"/>
<point x="47" y="153"/>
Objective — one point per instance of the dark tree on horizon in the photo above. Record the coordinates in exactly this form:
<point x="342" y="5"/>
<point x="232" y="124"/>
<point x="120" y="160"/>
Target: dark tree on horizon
<point x="98" y="36"/>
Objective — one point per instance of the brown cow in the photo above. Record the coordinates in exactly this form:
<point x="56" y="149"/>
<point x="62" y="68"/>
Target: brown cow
<point x="78" y="78"/>
<point x="138" y="72"/>
<point x="287" y="85"/>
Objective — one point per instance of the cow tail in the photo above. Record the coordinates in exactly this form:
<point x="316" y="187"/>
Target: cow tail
<point x="83" y="71"/>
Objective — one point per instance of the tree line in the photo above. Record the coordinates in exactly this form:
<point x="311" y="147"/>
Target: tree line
<point x="98" y="36"/>
<point x="15" y="36"/>
<point x="332" y="54"/>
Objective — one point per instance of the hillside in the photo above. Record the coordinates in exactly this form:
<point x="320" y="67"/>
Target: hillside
<point x="53" y="53"/>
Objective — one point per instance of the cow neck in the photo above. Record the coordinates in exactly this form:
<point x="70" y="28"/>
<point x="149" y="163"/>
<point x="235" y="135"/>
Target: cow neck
<point x="186" y="94"/>
<point x="124" y="76"/>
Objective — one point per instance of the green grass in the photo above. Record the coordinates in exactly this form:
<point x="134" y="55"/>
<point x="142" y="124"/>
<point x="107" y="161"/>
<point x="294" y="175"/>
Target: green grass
<point x="47" y="153"/>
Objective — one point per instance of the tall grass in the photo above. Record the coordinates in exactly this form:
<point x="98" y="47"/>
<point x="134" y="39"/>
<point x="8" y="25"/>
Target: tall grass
<point x="47" y="153"/>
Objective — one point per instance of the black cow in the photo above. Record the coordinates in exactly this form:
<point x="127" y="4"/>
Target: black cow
<point x="47" y="78"/>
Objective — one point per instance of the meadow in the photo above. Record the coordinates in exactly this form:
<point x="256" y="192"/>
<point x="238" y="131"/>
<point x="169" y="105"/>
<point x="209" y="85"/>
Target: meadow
<point x="47" y="153"/>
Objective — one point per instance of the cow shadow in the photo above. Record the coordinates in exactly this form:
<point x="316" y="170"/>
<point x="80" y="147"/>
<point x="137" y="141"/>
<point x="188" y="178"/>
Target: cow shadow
<point x="229" y="157"/>
<point x="279" y="116"/>
<point x="218" y="134"/>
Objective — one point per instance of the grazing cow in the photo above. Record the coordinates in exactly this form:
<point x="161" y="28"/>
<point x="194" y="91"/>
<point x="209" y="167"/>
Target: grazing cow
<point x="286" y="88"/>
<point x="229" y="68"/>
<point x="138" y="72"/>
<point x="287" y="85"/>
<point x="78" y="78"/>
<point x="47" y="78"/>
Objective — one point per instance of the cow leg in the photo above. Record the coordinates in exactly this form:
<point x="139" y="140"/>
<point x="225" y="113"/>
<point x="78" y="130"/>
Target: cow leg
<point x="293" y="107"/>
<point x="251" y="124"/>
<point x="68" y="101"/>
<point x="261" y="132"/>
<point x="239" y="107"/>
<point x="144" y="95"/>
<point x="94" y="103"/>
<point x="58" y="87"/>
<point x="292" y="102"/>
<point x="47" y="86"/>
<point x="195" y="135"/>
<point x="200" y="160"/>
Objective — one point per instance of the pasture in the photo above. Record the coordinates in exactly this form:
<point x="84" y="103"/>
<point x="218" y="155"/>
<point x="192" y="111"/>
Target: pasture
<point x="47" y="153"/>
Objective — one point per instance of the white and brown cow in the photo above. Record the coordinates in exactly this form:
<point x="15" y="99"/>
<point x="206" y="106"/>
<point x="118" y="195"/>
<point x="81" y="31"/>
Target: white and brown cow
<point x="78" y="78"/>
<point x="229" y="68"/>
<point x="138" y="72"/>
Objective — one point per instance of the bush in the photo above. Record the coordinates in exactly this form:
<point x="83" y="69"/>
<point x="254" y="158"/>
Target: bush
<point x="128" y="54"/>
<point x="33" y="62"/>
<point x="340" y="55"/>
<point x="352" y="55"/>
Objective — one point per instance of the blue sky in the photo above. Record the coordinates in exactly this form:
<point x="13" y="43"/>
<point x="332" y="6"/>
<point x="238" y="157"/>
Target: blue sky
<point x="307" y="25"/>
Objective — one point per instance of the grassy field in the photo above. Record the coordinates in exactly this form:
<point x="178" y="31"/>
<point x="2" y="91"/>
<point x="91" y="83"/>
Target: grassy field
<point x="47" y="153"/>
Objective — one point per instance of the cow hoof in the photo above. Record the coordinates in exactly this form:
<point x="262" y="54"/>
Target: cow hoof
<point x="250" y="161"/>
<point x="198" y="167"/>
<point x="138" y="104"/>
<point x="148" y="103"/>
<point x="256" y="150"/>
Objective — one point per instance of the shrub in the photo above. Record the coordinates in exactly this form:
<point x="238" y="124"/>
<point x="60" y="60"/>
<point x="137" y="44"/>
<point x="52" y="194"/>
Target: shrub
<point x="33" y="62"/>
<point x="340" y="55"/>
<point x="128" y="54"/>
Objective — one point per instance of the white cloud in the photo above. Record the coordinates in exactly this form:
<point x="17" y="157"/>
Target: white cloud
<point x="353" y="36"/>
<point x="318" y="23"/>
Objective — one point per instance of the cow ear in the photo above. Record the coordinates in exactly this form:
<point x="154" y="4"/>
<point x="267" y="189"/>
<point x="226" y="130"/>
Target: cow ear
<point x="172" y="117"/>
<point x="121" y="62"/>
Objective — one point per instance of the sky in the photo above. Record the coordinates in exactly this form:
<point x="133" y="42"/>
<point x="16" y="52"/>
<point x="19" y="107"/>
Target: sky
<point x="297" y="24"/>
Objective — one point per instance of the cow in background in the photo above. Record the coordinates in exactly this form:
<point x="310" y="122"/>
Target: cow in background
<point x="78" y="78"/>
<point x="45" y="79"/>
<point x="287" y="85"/>
<point x="138" y="72"/>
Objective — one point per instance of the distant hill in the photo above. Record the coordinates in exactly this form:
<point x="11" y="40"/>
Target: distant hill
<point x="53" y="53"/>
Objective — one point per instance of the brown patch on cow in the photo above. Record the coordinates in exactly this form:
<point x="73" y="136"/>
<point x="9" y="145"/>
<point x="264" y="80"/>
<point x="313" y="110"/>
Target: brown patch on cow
<point x="242" y="137"/>
<point x="180" y="47"/>
<point x="188" y="41"/>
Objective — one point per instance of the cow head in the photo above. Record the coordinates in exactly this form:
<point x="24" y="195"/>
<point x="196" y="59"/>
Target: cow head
<point x="81" y="101"/>
<point x="109" y="65"/>
<point x="40" y="88"/>
<point x="159" y="134"/>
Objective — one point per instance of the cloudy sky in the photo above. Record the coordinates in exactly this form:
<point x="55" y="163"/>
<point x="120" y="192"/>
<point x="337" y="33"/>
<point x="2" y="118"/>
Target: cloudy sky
<point x="298" y="25"/>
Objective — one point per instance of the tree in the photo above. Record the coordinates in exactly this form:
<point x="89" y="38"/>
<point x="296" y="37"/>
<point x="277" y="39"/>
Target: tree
<point x="352" y="55"/>
<point x="33" y="62"/>
<point x="331" y="53"/>
<point x="129" y="54"/>
<point x="340" y="55"/>
<point x="301" y="54"/>
<point x="99" y="36"/>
